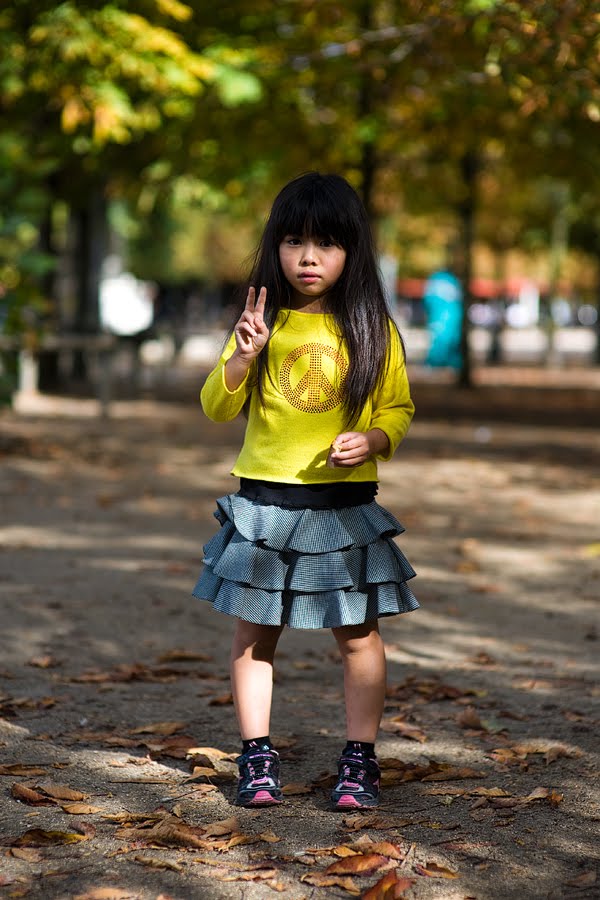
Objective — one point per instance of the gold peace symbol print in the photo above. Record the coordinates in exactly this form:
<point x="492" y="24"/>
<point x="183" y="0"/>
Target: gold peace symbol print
<point x="314" y="391"/>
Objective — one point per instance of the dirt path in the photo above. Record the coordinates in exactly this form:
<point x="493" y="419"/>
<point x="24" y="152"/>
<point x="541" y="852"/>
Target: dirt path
<point x="110" y="672"/>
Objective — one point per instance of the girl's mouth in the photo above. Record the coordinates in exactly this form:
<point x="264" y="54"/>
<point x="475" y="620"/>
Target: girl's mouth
<point x="309" y="276"/>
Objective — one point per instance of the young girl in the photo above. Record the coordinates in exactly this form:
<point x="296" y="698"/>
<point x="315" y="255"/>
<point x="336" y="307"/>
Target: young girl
<point x="318" y="366"/>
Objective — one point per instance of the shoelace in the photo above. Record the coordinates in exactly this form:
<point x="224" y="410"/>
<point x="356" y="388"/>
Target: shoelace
<point x="353" y="770"/>
<point x="258" y="767"/>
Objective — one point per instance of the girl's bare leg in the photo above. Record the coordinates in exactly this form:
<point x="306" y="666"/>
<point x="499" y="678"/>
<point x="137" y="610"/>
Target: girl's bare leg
<point x="252" y="653"/>
<point x="363" y="656"/>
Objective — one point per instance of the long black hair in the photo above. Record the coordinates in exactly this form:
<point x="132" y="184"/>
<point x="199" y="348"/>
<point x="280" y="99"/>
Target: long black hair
<point x="326" y="206"/>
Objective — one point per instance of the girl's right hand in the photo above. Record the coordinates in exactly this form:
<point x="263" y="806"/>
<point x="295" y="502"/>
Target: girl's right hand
<point x="251" y="333"/>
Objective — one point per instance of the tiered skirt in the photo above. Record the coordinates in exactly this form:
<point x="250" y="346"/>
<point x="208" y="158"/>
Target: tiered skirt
<point x="305" y="568"/>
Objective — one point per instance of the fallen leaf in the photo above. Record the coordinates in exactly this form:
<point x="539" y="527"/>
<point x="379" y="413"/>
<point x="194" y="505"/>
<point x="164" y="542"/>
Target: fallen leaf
<point x="27" y="853"/>
<point x="155" y="863"/>
<point x="540" y="793"/>
<point x="318" y="879"/>
<point x="390" y="887"/>
<point x="212" y="769"/>
<point x="343" y="851"/>
<point x="269" y="837"/>
<point x="295" y="789"/>
<point x="489" y="792"/>
<point x="128" y="817"/>
<point x="221" y="700"/>
<point x="395" y="771"/>
<point x="385" y="848"/>
<point x="165" y="728"/>
<point x="378" y="822"/>
<point x="210" y="752"/>
<point x="168" y="832"/>
<point x="396" y="725"/>
<point x="28" y="795"/>
<point x="60" y="791"/>
<point x="551" y="750"/>
<point x="225" y="826"/>
<point x="175" y="746"/>
<point x="359" y="864"/>
<point x="44" y="662"/>
<point x="433" y="870"/>
<point x="483" y="659"/>
<point x="80" y="809"/>
<point x="202" y="789"/>
<point x="469" y="718"/>
<point x="16" y="769"/>
<point x="37" y="837"/>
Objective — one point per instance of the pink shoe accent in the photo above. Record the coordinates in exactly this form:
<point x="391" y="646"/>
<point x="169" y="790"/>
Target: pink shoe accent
<point x="348" y="801"/>
<point x="262" y="798"/>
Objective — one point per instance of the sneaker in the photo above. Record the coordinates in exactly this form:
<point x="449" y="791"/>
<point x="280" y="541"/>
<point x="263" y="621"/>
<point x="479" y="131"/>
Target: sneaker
<point x="258" y="783"/>
<point x="358" y="782"/>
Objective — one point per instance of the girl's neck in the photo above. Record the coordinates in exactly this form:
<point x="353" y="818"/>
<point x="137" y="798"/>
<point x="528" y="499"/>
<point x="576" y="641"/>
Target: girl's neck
<point x="306" y="304"/>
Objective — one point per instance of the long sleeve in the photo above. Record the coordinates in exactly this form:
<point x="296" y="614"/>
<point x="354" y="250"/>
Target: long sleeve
<point x="218" y="402"/>
<point x="393" y="408"/>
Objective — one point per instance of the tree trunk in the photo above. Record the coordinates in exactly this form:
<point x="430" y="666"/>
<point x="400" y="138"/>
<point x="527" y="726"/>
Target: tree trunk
<point x="91" y="243"/>
<point x="368" y="162"/>
<point x="48" y="372"/>
<point x="469" y="166"/>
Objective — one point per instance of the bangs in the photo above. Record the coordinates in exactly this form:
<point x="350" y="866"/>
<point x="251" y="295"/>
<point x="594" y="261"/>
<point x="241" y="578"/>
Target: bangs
<point x="316" y="208"/>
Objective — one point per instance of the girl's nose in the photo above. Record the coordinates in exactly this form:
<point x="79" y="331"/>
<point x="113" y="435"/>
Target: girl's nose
<point x="309" y="255"/>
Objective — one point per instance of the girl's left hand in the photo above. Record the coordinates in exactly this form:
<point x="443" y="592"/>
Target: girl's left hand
<point x="350" y="449"/>
<point x="353" y="448"/>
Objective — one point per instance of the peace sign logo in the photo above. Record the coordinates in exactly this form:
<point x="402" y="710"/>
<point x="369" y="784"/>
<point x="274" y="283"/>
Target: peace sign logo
<point x="315" y="385"/>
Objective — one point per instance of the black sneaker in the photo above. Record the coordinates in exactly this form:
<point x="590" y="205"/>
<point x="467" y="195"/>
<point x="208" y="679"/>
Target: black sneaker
<point x="258" y="783"/>
<point x="358" y="782"/>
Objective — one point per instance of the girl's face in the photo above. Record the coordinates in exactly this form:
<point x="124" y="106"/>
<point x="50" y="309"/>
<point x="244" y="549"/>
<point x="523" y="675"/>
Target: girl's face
<point x="312" y="265"/>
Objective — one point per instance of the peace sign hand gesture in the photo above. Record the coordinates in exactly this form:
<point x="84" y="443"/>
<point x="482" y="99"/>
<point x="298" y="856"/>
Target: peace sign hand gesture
<point x="251" y="333"/>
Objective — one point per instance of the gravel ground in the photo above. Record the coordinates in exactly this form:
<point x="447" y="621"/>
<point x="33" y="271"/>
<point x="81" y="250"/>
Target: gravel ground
<point x="111" y="673"/>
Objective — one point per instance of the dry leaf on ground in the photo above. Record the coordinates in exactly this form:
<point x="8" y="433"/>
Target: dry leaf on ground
<point x="433" y="870"/>
<point x="318" y="879"/>
<point x="295" y="789"/>
<point x="390" y="887"/>
<point x="80" y="809"/>
<point x="24" y="769"/>
<point x="154" y="862"/>
<point x="28" y="795"/>
<point x="38" y="837"/>
<point x="358" y="864"/>
<point x="164" y="728"/>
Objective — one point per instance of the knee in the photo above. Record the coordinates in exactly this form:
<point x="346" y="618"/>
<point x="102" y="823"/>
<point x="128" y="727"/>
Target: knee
<point x="354" y="639"/>
<point x="260" y="641"/>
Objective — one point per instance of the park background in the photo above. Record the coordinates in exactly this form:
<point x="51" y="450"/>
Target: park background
<point x="149" y="139"/>
<point x="141" y="146"/>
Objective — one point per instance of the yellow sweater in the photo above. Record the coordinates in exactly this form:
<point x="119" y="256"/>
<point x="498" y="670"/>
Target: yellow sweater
<point x="288" y="438"/>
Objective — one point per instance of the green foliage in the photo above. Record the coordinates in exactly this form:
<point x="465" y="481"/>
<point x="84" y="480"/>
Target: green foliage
<point x="95" y="94"/>
<point x="192" y="114"/>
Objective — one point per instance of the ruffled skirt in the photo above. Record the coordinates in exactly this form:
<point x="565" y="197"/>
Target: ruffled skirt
<point x="305" y="568"/>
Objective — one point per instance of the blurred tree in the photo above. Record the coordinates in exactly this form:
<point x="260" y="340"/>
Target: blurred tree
<point x="209" y="108"/>
<point x="416" y="103"/>
<point x="82" y="87"/>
